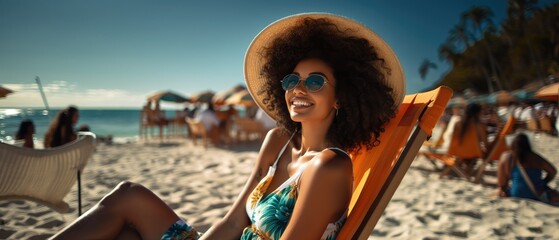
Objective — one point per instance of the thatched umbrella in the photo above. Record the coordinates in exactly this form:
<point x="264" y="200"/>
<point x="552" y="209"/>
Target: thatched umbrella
<point x="167" y="96"/>
<point x="203" y="97"/>
<point x="549" y="92"/>
<point x="242" y="97"/>
<point x="220" y="97"/>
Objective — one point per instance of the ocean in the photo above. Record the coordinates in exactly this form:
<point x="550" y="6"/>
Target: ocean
<point x="122" y="124"/>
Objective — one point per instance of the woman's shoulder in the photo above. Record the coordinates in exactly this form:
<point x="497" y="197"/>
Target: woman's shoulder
<point x="332" y="162"/>
<point x="276" y="135"/>
<point x="505" y="158"/>
<point x="274" y="141"/>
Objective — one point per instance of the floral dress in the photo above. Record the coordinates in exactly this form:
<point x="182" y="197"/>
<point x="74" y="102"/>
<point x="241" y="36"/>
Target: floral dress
<point x="270" y="214"/>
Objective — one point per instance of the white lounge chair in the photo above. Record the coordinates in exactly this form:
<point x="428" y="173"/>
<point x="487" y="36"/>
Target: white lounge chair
<point x="44" y="176"/>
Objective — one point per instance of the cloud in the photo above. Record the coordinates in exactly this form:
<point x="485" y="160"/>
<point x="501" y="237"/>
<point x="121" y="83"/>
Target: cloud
<point x="62" y="94"/>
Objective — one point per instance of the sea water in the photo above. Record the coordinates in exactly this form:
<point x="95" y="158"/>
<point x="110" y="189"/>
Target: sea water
<point x="121" y="124"/>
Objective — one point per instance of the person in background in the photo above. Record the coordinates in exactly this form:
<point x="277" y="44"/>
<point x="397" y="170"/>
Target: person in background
<point x="25" y="133"/>
<point x="209" y="118"/>
<point x="472" y="122"/>
<point x="61" y="130"/>
<point x="509" y="170"/>
<point x="456" y="116"/>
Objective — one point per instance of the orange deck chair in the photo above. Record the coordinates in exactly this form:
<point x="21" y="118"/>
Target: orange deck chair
<point x="379" y="171"/>
<point x="498" y="146"/>
<point x="469" y="149"/>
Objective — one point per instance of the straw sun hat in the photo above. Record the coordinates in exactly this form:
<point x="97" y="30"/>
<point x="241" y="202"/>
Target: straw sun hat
<point x="254" y="62"/>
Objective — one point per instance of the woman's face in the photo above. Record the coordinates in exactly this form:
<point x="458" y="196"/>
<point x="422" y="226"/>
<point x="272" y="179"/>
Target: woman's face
<point x="304" y="105"/>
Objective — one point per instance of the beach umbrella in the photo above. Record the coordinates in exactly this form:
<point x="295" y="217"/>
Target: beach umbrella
<point x="479" y="99"/>
<point x="242" y="97"/>
<point x="549" y="92"/>
<point x="203" y="97"/>
<point x="219" y="98"/>
<point x="500" y="97"/>
<point x="168" y="96"/>
<point x="525" y="94"/>
<point x="4" y="92"/>
<point x="457" y="101"/>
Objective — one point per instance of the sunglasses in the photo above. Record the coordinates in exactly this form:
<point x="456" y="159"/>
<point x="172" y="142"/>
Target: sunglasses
<point x="313" y="83"/>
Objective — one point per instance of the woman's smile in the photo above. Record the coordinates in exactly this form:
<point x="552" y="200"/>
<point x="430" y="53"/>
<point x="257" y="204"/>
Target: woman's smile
<point x="298" y="104"/>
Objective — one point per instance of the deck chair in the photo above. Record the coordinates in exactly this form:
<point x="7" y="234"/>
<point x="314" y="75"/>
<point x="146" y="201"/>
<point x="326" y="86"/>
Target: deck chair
<point x="533" y="125"/>
<point x="435" y="142"/>
<point x="434" y="145"/>
<point x="44" y="176"/>
<point x="469" y="149"/>
<point x="498" y="146"/>
<point x="197" y="129"/>
<point x="379" y="171"/>
<point x="248" y="129"/>
<point x="545" y="124"/>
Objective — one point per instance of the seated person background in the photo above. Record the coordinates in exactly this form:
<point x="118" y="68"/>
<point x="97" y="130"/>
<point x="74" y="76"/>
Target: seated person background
<point x="25" y="133"/>
<point x="534" y="165"/>
<point x="61" y="130"/>
<point x="209" y="118"/>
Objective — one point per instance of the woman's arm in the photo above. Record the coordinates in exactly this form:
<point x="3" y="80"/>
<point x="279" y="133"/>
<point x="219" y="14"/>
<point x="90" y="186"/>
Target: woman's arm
<point x="232" y="225"/>
<point x="550" y="170"/>
<point x="324" y="194"/>
<point x="503" y="174"/>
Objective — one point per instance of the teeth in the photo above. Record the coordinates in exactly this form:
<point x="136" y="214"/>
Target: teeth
<point x="301" y="103"/>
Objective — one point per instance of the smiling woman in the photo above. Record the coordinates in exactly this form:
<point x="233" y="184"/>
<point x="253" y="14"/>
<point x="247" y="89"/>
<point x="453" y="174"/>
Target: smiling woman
<point x="332" y="84"/>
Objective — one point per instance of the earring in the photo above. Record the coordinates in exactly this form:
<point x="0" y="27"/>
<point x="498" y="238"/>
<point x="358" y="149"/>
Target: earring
<point x="337" y="111"/>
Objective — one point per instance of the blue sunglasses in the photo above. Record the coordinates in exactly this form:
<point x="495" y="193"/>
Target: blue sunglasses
<point x="313" y="83"/>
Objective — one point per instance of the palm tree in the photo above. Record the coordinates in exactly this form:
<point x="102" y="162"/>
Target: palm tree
<point x="448" y="53"/>
<point x="460" y="36"/>
<point x="480" y="19"/>
<point x="424" y="68"/>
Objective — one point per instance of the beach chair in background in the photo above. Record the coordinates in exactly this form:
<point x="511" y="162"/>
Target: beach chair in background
<point x="177" y="125"/>
<point x="545" y="124"/>
<point x="247" y="129"/>
<point x="498" y="146"/>
<point x="434" y="145"/>
<point x="459" y="152"/>
<point x="196" y="129"/>
<point x="379" y="171"/>
<point x="44" y="176"/>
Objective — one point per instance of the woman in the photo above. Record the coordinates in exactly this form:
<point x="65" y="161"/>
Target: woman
<point x="61" y="130"/>
<point x="25" y="133"/>
<point x="472" y="122"/>
<point x="469" y="124"/>
<point x="509" y="169"/>
<point x="331" y="84"/>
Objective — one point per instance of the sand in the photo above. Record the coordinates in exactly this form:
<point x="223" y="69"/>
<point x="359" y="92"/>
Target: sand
<point x="201" y="184"/>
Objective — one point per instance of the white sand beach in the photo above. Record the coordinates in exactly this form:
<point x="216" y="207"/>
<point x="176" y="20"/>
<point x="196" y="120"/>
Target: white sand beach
<point x="202" y="184"/>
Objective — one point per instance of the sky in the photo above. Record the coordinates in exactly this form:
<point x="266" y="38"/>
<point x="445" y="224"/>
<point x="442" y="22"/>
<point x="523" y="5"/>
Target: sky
<point x="115" y="53"/>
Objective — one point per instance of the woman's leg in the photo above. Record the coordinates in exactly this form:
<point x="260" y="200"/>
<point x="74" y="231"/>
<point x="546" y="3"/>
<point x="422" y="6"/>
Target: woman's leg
<point x="129" y="205"/>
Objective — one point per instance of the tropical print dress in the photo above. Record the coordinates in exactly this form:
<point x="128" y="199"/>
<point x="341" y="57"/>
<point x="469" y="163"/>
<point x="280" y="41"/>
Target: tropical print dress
<point x="270" y="214"/>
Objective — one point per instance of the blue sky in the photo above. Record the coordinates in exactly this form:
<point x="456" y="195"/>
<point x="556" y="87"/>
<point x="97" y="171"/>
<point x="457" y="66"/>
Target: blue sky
<point x="115" y="53"/>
